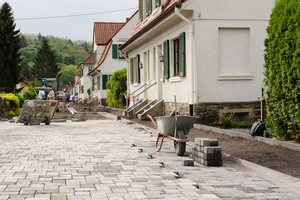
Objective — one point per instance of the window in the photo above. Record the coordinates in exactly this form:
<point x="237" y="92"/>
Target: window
<point x="93" y="83"/>
<point x="95" y="57"/>
<point x="104" y="81"/>
<point x="90" y="68"/>
<point x="166" y="59"/>
<point x="82" y="89"/>
<point x="98" y="83"/>
<point x="81" y="72"/>
<point x="176" y="57"/>
<point x="178" y="60"/>
<point x="234" y="53"/>
<point x="134" y="69"/>
<point x="116" y="53"/>
<point x="146" y="7"/>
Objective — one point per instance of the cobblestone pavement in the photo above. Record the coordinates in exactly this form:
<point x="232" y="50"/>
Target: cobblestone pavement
<point x="108" y="159"/>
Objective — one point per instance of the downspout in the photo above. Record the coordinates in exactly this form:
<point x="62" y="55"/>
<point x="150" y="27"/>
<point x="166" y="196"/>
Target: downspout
<point x="192" y="58"/>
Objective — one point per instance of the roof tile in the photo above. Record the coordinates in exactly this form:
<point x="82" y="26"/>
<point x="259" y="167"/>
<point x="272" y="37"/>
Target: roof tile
<point x="103" y="31"/>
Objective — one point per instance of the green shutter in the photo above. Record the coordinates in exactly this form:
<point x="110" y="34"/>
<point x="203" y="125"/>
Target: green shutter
<point x="182" y="54"/>
<point x="141" y="9"/>
<point x="126" y="54"/>
<point x="166" y="60"/>
<point x="98" y="83"/>
<point x="149" y="7"/>
<point x="131" y="70"/>
<point x="138" y="78"/>
<point x="157" y="3"/>
<point x="104" y="80"/>
<point x="115" y="51"/>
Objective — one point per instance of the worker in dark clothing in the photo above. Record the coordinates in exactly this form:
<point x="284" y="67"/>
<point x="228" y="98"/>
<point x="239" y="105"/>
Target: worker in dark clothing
<point x="67" y="95"/>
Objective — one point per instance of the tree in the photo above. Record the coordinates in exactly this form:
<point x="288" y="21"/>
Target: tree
<point x="282" y="70"/>
<point x="10" y="60"/>
<point x="45" y="63"/>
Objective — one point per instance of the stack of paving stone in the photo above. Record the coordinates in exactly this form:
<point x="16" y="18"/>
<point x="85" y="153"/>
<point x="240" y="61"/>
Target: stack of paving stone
<point x="207" y="152"/>
<point x="79" y="117"/>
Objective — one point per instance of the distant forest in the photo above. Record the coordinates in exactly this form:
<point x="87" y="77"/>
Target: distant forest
<point x="69" y="55"/>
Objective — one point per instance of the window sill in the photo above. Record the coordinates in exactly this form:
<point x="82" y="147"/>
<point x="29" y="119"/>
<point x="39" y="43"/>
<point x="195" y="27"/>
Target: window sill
<point x="135" y="84"/>
<point x="175" y="79"/>
<point x="229" y="77"/>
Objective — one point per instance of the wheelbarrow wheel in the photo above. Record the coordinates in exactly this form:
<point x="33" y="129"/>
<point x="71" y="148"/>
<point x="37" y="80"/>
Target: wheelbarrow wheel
<point x="180" y="146"/>
<point x="47" y="120"/>
<point x="26" y="120"/>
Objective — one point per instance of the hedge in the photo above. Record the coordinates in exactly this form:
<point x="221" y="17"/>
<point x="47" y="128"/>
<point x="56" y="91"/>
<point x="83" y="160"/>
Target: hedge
<point x="282" y="70"/>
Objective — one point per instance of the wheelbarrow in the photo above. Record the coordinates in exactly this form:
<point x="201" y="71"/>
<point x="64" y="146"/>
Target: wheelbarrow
<point x="38" y="111"/>
<point x="175" y="128"/>
<point x="35" y="112"/>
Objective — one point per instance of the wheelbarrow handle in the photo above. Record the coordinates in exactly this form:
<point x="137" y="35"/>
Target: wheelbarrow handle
<point x="151" y="118"/>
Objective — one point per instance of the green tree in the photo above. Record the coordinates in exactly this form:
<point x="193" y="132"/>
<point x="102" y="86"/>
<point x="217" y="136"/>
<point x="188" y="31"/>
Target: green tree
<point x="10" y="60"/>
<point x="282" y="70"/>
<point x="117" y="89"/>
<point x="45" y="64"/>
<point x="67" y="74"/>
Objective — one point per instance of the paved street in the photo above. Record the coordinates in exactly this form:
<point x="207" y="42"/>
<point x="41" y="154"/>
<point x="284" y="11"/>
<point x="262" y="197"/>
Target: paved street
<point x="109" y="159"/>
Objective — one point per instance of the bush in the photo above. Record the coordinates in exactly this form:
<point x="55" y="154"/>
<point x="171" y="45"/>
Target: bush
<point x="282" y="74"/>
<point x="21" y="99"/>
<point x="29" y="93"/>
<point x="13" y="103"/>
<point x="118" y="88"/>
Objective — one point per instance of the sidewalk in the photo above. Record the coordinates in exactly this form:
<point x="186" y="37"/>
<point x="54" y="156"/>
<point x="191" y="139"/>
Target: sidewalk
<point x="110" y="159"/>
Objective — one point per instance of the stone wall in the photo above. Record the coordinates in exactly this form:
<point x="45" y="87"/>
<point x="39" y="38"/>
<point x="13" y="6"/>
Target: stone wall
<point x="211" y="112"/>
<point x="182" y="108"/>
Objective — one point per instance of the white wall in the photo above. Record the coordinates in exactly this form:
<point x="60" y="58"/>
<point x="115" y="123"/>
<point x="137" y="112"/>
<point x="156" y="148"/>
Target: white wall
<point x="229" y="49"/>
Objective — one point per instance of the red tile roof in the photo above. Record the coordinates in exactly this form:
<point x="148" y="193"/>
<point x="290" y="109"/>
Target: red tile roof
<point x="103" y="56"/>
<point x="89" y="60"/>
<point x="103" y="31"/>
<point x="139" y="30"/>
<point x="78" y="73"/>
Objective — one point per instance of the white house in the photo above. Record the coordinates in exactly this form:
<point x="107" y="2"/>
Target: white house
<point x="212" y="54"/>
<point x="84" y="82"/>
<point x="108" y="36"/>
<point x="75" y="90"/>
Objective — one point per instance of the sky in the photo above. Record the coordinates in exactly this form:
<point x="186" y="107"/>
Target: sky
<point x="78" y="16"/>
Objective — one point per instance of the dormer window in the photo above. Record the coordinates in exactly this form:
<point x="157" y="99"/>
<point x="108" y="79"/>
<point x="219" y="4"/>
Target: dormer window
<point x="146" y="7"/>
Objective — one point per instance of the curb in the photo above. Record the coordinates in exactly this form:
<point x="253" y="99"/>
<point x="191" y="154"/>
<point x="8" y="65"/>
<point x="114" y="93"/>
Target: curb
<point x="269" y="141"/>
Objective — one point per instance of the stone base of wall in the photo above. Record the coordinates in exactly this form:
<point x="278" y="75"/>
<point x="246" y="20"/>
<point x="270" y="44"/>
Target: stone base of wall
<point x="213" y="112"/>
<point x="103" y="102"/>
<point x="182" y="108"/>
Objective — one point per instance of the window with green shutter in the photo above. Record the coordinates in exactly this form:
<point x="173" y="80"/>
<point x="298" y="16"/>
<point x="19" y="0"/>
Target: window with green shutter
<point x="138" y="78"/>
<point x="182" y="59"/>
<point x="131" y="70"/>
<point x="157" y="3"/>
<point x="98" y="83"/>
<point x="141" y="10"/>
<point x="166" y="59"/>
<point x="104" y="80"/>
<point x="115" y="51"/>
<point x="93" y="84"/>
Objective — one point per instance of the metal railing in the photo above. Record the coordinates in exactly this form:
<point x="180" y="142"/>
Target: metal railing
<point x="135" y="96"/>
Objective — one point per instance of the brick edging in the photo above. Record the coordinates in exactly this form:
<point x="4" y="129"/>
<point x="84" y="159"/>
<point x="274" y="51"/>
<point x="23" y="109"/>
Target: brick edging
<point x="231" y="133"/>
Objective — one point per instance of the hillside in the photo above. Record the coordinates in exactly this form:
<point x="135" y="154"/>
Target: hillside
<point x="69" y="54"/>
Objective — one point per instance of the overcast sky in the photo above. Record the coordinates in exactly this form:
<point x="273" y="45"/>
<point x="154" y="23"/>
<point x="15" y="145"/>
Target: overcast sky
<point x="79" y="27"/>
